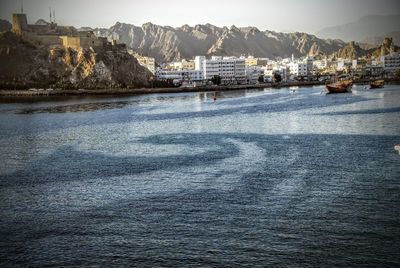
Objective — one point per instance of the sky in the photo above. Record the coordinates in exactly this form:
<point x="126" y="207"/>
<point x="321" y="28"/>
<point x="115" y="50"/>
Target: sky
<point x="279" y="15"/>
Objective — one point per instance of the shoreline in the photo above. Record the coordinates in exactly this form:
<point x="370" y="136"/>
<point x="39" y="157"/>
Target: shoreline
<point x="142" y="91"/>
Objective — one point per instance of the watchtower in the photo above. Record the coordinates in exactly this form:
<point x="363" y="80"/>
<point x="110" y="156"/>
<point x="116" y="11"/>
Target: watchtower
<point x="20" y="23"/>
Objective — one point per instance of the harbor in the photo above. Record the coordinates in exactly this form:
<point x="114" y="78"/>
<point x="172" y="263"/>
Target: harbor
<point x="251" y="174"/>
<point x="206" y="134"/>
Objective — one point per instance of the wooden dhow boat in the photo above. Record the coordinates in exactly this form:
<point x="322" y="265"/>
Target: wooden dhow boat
<point x="377" y="84"/>
<point x="343" y="86"/>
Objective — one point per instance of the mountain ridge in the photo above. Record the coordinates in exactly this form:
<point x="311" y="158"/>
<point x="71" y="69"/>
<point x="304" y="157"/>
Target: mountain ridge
<point x="360" y="29"/>
<point x="166" y="43"/>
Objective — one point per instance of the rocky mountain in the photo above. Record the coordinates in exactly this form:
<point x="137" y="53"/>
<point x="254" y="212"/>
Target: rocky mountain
<point x="5" y="25"/>
<point x="373" y="25"/>
<point x="352" y="50"/>
<point x="84" y="29"/>
<point x="166" y="43"/>
<point x="22" y="65"/>
<point x="385" y="47"/>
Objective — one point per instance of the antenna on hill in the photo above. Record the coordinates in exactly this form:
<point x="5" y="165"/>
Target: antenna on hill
<point x="50" y="15"/>
<point x="54" y="15"/>
<point x="22" y="6"/>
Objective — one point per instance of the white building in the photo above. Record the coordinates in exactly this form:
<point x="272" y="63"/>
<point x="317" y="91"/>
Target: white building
<point x="298" y="68"/>
<point x="253" y="73"/>
<point x="231" y="70"/>
<point x="343" y="64"/>
<point x="181" y="75"/>
<point x="391" y="63"/>
<point x="199" y="63"/>
<point x="270" y="71"/>
<point x="310" y="65"/>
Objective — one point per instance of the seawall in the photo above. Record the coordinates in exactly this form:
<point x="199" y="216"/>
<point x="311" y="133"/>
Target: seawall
<point x="139" y="91"/>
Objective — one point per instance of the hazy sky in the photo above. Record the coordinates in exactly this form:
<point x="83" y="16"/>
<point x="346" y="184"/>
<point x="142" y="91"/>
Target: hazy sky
<point x="283" y="15"/>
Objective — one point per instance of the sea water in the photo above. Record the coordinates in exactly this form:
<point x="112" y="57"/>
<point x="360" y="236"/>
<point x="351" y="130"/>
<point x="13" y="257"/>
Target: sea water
<point x="256" y="178"/>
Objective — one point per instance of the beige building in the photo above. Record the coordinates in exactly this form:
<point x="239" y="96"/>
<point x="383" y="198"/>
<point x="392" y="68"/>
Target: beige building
<point x="147" y="62"/>
<point x="251" y="61"/>
<point x="187" y="65"/>
<point x="181" y="65"/>
<point x="82" y="39"/>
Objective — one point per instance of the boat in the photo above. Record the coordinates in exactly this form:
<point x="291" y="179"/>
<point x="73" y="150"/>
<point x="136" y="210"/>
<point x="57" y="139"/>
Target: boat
<point x="377" y="84"/>
<point x="397" y="147"/>
<point x="348" y="83"/>
<point x="343" y="86"/>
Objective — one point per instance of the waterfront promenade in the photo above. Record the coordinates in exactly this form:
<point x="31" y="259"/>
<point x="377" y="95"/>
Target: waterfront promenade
<point x="140" y="91"/>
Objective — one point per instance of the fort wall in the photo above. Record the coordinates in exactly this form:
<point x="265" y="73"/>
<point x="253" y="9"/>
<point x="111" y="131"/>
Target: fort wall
<point x="41" y="40"/>
<point x="52" y="34"/>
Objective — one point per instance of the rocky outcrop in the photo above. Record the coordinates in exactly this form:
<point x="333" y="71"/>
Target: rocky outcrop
<point x="166" y="43"/>
<point x="23" y="65"/>
<point x="352" y="51"/>
<point x="385" y="47"/>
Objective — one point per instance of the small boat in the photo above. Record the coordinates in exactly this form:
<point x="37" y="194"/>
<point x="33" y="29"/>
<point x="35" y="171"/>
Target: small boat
<point x="377" y="84"/>
<point x="343" y="86"/>
<point x="397" y="147"/>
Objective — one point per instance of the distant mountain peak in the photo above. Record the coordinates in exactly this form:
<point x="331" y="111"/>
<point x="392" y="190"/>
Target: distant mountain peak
<point x="234" y="29"/>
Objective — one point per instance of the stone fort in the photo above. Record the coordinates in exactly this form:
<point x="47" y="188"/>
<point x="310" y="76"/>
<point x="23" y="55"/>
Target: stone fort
<point x="51" y="34"/>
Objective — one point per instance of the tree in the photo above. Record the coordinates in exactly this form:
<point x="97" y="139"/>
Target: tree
<point x="216" y="79"/>
<point x="398" y="74"/>
<point x="261" y="79"/>
<point x="277" y="77"/>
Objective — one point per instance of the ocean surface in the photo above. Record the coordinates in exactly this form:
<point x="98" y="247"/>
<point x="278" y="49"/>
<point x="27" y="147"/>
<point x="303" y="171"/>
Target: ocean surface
<point x="257" y="178"/>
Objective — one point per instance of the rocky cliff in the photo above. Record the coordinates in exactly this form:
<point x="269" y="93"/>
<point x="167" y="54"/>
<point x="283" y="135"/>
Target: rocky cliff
<point x="166" y="43"/>
<point x="23" y="65"/>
